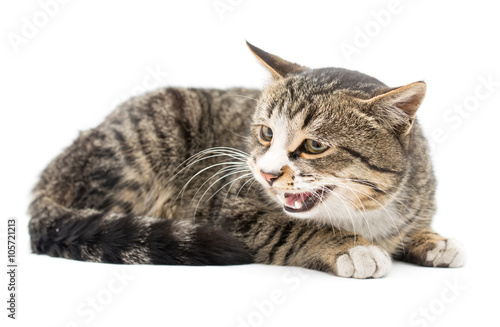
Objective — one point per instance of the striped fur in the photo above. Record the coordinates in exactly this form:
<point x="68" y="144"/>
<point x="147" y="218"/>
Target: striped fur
<point x="170" y="178"/>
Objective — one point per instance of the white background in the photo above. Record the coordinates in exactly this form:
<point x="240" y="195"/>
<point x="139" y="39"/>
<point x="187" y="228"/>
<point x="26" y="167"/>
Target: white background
<point x="67" y="74"/>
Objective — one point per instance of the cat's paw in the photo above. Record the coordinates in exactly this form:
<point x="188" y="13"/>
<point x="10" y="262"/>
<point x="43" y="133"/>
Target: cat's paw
<point x="446" y="253"/>
<point x="364" y="262"/>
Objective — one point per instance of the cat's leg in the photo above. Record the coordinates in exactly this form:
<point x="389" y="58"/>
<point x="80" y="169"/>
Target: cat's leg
<point x="427" y="248"/>
<point x="296" y="243"/>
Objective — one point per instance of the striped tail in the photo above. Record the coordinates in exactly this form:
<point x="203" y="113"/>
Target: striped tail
<point x="90" y="235"/>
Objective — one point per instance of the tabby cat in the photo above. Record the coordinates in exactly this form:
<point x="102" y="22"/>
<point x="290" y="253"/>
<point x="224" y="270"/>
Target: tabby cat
<point x="325" y="169"/>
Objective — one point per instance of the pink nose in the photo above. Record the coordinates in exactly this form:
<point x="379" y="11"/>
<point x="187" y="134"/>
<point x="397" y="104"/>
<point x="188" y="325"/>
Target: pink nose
<point x="269" y="177"/>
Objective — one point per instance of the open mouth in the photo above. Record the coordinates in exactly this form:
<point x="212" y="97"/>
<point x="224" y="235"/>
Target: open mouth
<point x="300" y="202"/>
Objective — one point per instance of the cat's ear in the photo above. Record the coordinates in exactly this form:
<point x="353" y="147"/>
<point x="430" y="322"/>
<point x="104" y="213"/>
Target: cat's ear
<point x="398" y="107"/>
<point x="278" y="67"/>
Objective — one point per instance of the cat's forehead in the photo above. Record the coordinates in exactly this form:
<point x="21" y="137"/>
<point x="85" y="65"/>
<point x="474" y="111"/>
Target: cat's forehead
<point x="330" y="80"/>
<point x="300" y="107"/>
<point x="319" y="105"/>
<point x="318" y="88"/>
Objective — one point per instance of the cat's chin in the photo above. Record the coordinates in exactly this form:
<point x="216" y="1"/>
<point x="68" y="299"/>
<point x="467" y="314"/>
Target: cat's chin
<point x="295" y="203"/>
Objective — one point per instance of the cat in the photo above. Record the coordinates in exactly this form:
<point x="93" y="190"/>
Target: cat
<point x="326" y="169"/>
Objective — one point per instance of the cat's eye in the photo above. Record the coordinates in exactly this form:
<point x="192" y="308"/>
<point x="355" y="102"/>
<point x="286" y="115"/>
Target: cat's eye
<point x="266" y="134"/>
<point x="314" y="147"/>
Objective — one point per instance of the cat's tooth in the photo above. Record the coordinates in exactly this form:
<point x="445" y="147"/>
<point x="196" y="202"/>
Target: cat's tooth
<point x="298" y="204"/>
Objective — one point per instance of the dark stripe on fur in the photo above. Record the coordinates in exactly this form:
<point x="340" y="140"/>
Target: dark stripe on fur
<point x="145" y="146"/>
<point x="309" y="117"/>
<point x="271" y="108"/>
<point x="366" y="161"/>
<point x="369" y="184"/>
<point x="178" y="107"/>
<point x="126" y="150"/>
<point x="285" y="232"/>
<point x="298" y="108"/>
<point x="298" y="245"/>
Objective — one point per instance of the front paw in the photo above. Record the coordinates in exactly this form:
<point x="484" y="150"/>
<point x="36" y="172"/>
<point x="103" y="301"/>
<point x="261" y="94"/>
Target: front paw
<point x="363" y="262"/>
<point x="446" y="253"/>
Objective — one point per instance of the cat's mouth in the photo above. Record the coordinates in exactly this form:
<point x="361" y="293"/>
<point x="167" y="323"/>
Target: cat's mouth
<point x="305" y="201"/>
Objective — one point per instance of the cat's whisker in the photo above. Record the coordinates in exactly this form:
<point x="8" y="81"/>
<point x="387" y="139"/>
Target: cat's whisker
<point x="237" y="194"/>
<point x="198" y="158"/>
<point x="348" y="209"/>
<point x="389" y="194"/>
<point x="251" y="179"/>
<point x="334" y="179"/>
<point x="243" y="96"/>
<point x="218" y="150"/>
<point x="228" y="171"/>
<point x="393" y="197"/>
<point x="314" y="190"/>
<point x="211" y="185"/>
<point x="368" y="195"/>
<point x="364" y="215"/>
<point x="359" y="200"/>
<point x="200" y="172"/>
<point x="224" y="170"/>
<point x="251" y="184"/>
<point x="209" y="153"/>
<point x="319" y="177"/>
<point x="220" y="171"/>
<point x="329" y="213"/>
<point x="193" y="157"/>
<point x="230" y="182"/>
<point x="226" y="164"/>
<point x="383" y="208"/>
<point x="229" y="150"/>
<point x="209" y="157"/>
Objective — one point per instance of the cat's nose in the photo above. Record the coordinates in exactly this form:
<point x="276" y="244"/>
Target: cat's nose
<point x="270" y="177"/>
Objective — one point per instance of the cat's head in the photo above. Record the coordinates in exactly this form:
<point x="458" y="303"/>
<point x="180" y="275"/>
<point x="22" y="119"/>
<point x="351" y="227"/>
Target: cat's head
<point x="324" y="139"/>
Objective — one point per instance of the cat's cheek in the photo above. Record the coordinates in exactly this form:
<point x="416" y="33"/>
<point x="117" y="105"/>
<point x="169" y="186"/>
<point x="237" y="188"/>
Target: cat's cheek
<point x="251" y="163"/>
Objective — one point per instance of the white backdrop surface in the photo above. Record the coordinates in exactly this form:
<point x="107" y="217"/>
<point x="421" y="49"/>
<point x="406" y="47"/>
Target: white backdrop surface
<point x="65" y="64"/>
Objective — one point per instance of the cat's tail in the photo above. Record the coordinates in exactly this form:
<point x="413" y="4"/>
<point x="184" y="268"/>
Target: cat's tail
<point x="91" y="235"/>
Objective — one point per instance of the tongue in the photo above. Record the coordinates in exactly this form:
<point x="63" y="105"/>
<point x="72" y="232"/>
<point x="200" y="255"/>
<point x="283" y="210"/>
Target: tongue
<point x="291" y="198"/>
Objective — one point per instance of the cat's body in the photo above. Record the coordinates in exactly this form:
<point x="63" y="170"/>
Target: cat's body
<point x="143" y="188"/>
